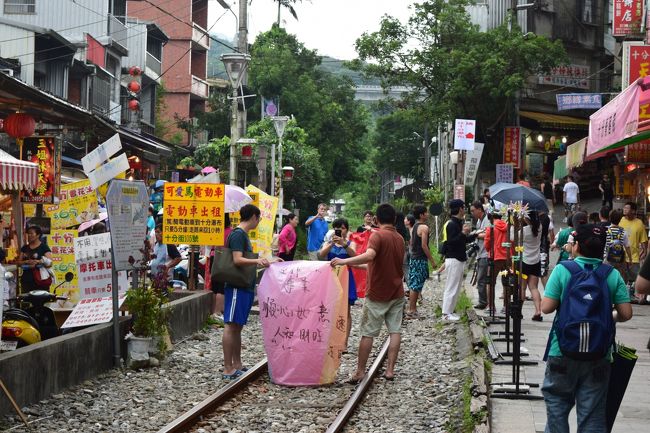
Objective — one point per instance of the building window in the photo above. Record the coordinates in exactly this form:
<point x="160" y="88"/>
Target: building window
<point x="20" y="6"/>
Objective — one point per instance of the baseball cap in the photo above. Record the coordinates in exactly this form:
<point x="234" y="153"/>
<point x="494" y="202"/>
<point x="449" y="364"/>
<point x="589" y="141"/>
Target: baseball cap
<point x="456" y="203"/>
<point x="579" y="218"/>
<point x="590" y="233"/>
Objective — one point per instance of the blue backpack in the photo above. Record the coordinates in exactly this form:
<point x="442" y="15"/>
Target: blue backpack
<point x="583" y="324"/>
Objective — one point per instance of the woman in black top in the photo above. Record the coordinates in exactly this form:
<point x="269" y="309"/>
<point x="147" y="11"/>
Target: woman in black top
<point x="31" y="256"/>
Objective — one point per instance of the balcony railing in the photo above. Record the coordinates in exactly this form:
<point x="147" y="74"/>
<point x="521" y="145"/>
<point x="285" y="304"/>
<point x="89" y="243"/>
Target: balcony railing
<point x="154" y="64"/>
<point x="117" y="30"/>
<point x="200" y="38"/>
<point x="200" y="87"/>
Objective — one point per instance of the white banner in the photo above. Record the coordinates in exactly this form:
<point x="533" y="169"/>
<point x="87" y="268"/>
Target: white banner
<point x="92" y="312"/>
<point x="464" y="134"/>
<point x="472" y="161"/>
<point x="109" y="170"/>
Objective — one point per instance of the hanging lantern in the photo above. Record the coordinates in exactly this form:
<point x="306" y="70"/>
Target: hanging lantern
<point x="135" y="71"/>
<point x="287" y="173"/>
<point x="134" y="105"/>
<point x="19" y="125"/>
<point x="246" y="152"/>
<point x="134" y="87"/>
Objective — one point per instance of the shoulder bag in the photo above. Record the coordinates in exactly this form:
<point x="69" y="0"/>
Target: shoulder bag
<point x="225" y="271"/>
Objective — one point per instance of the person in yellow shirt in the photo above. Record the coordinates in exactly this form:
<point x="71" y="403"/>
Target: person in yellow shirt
<point x="638" y="236"/>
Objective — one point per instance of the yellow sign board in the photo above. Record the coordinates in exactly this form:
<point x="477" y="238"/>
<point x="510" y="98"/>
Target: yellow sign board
<point x="263" y="236"/>
<point x="235" y="220"/>
<point x="61" y="242"/>
<point x="193" y="213"/>
<point x="78" y="204"/>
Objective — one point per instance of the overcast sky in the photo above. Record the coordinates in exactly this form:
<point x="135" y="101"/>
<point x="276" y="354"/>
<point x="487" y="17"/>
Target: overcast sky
<point x="329" y="26"/>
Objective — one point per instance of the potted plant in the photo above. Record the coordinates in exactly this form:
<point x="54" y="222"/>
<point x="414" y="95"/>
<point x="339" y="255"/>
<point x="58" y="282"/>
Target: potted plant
<point x="146" y="304"/>
<point x="434" y="198"/>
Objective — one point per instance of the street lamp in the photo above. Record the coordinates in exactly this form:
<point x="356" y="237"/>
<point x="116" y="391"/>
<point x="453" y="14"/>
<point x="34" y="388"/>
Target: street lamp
<point x="279" y="122"/>
<point x="236" y="65"/>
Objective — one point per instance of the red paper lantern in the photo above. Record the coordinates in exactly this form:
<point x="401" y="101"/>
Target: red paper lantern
<point x="135" y="71"/>
<point x="19" y="125"/>
<point x="134" y="105"/>
<point x="287" y="173"/>
<point x="134" y="86"/>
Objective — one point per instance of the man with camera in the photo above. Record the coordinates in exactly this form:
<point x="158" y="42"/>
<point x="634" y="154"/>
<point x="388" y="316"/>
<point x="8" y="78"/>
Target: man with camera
<point x="482" y="224"/>
<point x="457" y="235"/>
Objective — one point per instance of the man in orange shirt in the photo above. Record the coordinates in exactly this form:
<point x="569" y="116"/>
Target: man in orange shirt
<point x="384" y="292"/>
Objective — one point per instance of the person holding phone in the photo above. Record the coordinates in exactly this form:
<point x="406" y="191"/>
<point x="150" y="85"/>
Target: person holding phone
<point x="341" y="247"/>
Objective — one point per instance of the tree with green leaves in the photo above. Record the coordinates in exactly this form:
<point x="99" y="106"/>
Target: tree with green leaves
<point x="322" y="104"/>
<point x="453" y="69"/>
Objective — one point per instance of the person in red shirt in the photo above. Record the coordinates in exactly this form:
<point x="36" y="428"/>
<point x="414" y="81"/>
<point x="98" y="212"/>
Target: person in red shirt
<point x="287" y="239"/>
<point x="385" y="290"/>
<point x="523" y="181"/>
<point x="494" y="238"/>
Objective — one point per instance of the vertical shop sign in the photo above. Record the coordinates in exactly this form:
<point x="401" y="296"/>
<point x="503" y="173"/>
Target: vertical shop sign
<point x="627" y="17"/>
<point x="472" y="163"/>
<point x="61" y="243"/>
<point x="512" y="146"/>
<point x="41" y="151"/>
<point x="464" y="134"/>
<point x="268" y="206"/>
<point x="95" y="267"/>
<point x="504" y="173"/>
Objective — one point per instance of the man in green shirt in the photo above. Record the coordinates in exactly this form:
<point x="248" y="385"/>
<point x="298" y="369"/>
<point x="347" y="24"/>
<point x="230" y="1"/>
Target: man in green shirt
<point x="569" y="382"/>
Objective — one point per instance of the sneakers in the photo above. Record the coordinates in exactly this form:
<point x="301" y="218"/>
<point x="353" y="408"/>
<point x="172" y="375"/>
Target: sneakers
<point x="451" y="317"/>
<point x="480" y="306"/>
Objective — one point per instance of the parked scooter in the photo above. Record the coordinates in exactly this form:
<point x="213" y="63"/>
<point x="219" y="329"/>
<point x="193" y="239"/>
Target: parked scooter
<point x="24" y="326"/>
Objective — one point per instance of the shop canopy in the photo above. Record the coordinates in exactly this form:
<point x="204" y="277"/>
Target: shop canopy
<point x="552" y="121"/>
<point x="16" y="174"/>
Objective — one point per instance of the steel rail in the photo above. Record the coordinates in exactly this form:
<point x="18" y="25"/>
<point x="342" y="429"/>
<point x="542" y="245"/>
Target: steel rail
<point x="342" y="418"/>
<point x="190" y="418"/>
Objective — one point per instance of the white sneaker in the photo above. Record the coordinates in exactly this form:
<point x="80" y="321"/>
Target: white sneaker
<point x="451" y="317"/>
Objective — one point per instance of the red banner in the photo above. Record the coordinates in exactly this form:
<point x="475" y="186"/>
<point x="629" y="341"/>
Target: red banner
<point x="42" y="151"/>
<point x="627" y="17"/>
<point x="512" y="146"/>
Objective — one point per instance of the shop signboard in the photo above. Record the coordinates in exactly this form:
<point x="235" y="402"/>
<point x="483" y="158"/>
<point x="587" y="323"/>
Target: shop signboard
<point x="41" y="151"/>
<point x="535" y="164"/>
<point x="575" y="76"/>
<point x="61" y="243"/>
<point x="268" y="206"/>
<point x="127" y="203"/>
<point x="574" y="101"/>
<point x="638" y="153"/>
<point x="636" y="62"/>
<point x="97" y="169"/>
<point x="627" y="17"/>
<point x="78" y="204"/>
<point x="95" y="267"/>
<point x="459" y="192"/>
<point x="512" y="145"/>
<point x="472" y="162"/>
<point x="104" y="151"/>
<point x="464" y="134"/>
<point x="193" y="213"/>
<point x="504" y="173"/>
<point x="92" y="311"/>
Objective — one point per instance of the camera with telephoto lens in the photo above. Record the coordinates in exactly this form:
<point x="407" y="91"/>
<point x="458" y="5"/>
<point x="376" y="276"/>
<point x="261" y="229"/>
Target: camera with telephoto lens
<point x="472" y="249"/>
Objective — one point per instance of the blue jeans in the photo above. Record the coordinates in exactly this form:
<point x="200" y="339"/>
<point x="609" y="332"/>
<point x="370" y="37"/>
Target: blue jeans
<point x="583" y="383"/>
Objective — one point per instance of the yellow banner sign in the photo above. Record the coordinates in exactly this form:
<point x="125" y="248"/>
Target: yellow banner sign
<point x="61" y="242"/>
<point x="193" y="213"/>
<point x="268" y="208"/>
<point x="235" y="219"/>
<point x="78" y="204"/>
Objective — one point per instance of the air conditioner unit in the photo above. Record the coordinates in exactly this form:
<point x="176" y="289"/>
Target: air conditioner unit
<point x="7" y="71"/>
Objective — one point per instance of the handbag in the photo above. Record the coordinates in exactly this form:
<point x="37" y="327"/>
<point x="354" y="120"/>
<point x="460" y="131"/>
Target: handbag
<point x="42" y="278"/>
<point x="225" y="271"/>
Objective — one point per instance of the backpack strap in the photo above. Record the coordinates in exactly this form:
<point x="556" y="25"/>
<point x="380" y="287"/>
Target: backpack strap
<point x="571" y="266"/>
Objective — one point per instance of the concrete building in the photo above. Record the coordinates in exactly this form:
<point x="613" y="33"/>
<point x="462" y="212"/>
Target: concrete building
<point x="184" y="59"/>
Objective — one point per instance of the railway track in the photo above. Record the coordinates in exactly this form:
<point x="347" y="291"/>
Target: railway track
<point x="213" y="406"/>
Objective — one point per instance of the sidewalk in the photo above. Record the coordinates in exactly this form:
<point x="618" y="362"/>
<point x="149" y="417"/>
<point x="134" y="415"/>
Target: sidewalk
<point x="529" y="416"/>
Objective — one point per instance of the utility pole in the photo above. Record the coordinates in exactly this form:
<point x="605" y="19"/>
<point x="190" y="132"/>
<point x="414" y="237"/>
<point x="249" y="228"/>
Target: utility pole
<point x="242" y="46"/>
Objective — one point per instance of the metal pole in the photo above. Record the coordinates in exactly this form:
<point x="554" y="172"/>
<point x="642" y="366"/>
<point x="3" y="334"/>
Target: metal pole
<point x="234" y="136"/>
<point x="273" y="168"/>
<point x="117" y="340"/>
<point x="242" y="46"/>
<point x="281" y="195"/>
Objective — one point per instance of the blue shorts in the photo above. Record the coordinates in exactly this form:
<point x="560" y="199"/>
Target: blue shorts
<point x="237" y="305"/>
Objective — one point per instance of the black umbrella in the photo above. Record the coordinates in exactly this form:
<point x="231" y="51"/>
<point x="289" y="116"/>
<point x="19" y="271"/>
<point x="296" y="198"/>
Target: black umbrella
<point x="624" y="361"/>
<point x="514" y="192"/>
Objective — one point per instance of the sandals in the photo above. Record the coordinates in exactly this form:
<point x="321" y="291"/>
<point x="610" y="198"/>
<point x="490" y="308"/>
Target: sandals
<point x="412" y="316"/>
<point x="232" y="376"/>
